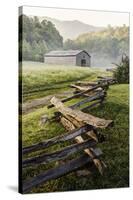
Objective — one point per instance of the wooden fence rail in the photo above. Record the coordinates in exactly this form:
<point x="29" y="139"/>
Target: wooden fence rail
<point x="61" y="138"/>
<point x="59" y="155"/>
<point x="78" y="94"/>
<point x="59" y="171"/>
<point x="79" y="125"/>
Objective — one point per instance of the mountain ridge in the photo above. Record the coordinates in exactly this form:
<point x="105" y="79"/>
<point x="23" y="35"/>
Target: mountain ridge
<point x="71" y="29"/>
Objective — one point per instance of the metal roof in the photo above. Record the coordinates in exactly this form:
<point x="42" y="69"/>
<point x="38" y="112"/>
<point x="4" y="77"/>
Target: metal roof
<point x="64" y="53"/>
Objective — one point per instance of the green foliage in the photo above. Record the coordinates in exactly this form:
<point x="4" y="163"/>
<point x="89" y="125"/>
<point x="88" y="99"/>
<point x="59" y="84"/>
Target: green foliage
<point x="122" y="71"/>
<point x="69" y="44"/>
<point x="107" y="44"/>
<point x="37" y="38"/>
<point x="26" y="50"/>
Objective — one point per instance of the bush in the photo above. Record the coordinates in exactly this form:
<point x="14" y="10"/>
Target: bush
<point x="121" y="74"/>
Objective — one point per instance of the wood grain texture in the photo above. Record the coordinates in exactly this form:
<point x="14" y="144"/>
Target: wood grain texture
<point x="61" y="138"/>
<point x="77" y="95"/>
<point x="94" y="97"/>
<point x="91" y="105"/>
<point x="58" y="171"/>
<point x="79" y="115"/>
<point x="59" y="155"/>
<point x="79" y="139"/>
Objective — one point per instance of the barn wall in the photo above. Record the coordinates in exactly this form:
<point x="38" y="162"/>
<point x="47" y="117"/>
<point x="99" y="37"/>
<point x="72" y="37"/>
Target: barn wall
<point x="69" y="60"/>
<point x="85" y="56"/>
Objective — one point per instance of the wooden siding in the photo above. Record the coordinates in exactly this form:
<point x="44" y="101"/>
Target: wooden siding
<point x="83" y="55"/>
<point x="69" y="60"/>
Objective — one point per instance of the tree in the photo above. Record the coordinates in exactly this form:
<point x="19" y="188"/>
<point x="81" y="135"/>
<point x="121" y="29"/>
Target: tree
<point x="105" y="46"/>
<point x="121" y="74"/>
<point x="69" y="44"/>
<point x="37" y="38"/>
<point x="26" y="50"/>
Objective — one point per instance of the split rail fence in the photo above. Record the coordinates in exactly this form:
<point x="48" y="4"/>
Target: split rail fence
<point x="81" y="132"/>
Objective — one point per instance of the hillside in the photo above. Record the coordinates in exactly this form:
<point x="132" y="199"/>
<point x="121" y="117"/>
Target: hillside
<point x="105" y="47"/>
<point x="37" y="38"/>
<point x="40" y="35"/>
<point x="71" y="29"/>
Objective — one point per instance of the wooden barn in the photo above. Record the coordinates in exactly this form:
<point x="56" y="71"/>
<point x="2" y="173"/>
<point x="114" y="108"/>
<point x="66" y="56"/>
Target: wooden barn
<point x="68" y="57"/>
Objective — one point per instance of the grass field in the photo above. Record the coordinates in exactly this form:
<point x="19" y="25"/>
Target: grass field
<point x="40" y="79"/>
<point x="37" y="81"/>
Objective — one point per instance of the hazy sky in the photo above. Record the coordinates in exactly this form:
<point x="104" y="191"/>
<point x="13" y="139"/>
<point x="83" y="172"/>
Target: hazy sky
<point x="96" y="18"/>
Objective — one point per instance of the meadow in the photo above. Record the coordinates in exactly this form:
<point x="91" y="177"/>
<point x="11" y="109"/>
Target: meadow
<point x="40" y="80"/>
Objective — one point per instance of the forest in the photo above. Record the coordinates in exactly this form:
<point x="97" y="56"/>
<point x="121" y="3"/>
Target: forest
<point x="105" y="46"/>
<point x="38" y="37"/>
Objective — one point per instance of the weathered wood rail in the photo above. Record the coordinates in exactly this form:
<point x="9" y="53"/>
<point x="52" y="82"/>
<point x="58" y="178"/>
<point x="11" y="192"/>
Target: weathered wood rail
<point x="89" y="89"/>
<point x="77" y="95"/>
<point x="106" y="79"/>
<point x="58" y="171"/>
<point x="82" y="135"/>
<point x="70" y="165"/>
<point x="58" y="155"/>
<point x="93" y="91"/>
<point x="61" y="138"/>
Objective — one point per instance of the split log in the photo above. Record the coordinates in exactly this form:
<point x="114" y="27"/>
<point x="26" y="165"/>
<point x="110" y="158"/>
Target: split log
<point x="86" y="83"/>
<point x="61" y="138"/>
<point x="88" y="151"/>
<point x="80" y="88"/>
<point x="91" y="106"/>
<point x="71" y="123"/>
<point x="108" y="79"/>
<point x="57" y="172"/>
<point x="59" y="155"/>
<point x="92" y="134"/>
<point x="74" y="121"/>
<point x="99" y="95"/>
<point x="76" y="95"/>
<point x="67" y="124"/>
<point x="84" y="88"/>
<point x="79" y="115"/>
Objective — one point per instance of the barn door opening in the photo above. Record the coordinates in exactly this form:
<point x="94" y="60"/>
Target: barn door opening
<point x="83" y="62"/>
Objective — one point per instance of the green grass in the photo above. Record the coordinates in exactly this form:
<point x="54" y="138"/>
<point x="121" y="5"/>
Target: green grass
<point x="115" y="148"/>
<point x="40" y="79"/>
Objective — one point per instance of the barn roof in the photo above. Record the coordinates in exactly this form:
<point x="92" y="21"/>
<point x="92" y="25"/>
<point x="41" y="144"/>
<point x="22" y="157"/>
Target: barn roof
<point x="64" y="53"/>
